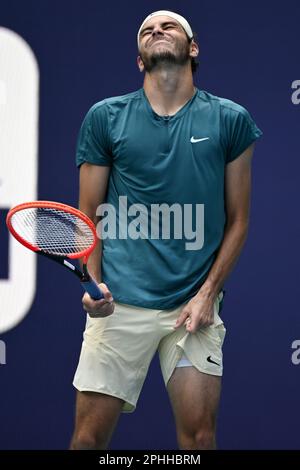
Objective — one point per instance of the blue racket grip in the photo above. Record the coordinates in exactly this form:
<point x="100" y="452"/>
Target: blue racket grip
<point x="92" y="288"/>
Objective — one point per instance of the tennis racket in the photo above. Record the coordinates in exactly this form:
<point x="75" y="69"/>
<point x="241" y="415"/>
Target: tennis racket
<point x="58" y="232"/>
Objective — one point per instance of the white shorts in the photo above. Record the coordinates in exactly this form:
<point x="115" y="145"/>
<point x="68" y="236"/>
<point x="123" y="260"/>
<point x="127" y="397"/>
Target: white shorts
<point x="117" y="350"/>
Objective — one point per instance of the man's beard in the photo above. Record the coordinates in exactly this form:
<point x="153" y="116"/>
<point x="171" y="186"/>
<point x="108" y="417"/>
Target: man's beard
<point x="165" y="58"/>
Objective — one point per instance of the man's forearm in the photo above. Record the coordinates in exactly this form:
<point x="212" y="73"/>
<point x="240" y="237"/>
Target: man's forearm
<point x="94" y="261"/>
<point x="94" y="264"/>
<point x="234" y="238"/>
<point x="93" y="181"/>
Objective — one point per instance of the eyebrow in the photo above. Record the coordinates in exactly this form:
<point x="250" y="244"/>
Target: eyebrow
<point x="173" y="23"/>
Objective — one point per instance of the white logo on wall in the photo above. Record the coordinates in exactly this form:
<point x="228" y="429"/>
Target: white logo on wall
<point x="296" y="94"/>
<point x="296" y="354"/>
<point x="19" y="85"/>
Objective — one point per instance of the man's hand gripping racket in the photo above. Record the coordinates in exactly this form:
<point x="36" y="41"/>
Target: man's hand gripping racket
<point x="61" y="233"/>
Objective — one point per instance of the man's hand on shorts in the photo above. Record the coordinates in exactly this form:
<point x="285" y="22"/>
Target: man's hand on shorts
<point x="197" y="313"/>
<point x="99" y="308"/>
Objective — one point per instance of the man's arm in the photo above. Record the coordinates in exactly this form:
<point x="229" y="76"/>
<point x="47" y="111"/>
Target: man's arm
<point x="237" y="204"/>
<point x="93" y="181"/>
<point x="199" y="310"/>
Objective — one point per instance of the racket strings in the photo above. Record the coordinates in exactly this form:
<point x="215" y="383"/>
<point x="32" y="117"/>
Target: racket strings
<point x="52" y="230"/>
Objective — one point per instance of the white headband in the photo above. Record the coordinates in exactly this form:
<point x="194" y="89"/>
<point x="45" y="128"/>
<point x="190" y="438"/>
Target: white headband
<point x="171" y="14"/>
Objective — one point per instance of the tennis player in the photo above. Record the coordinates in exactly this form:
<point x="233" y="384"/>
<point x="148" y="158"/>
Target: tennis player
<point x="166" y="151"/>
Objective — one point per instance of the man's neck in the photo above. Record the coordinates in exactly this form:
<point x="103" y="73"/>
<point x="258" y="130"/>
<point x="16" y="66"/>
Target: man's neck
<point x="168" y="90"/>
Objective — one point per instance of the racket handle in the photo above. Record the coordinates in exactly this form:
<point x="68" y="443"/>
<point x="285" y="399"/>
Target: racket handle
<point x="92" y="288"/>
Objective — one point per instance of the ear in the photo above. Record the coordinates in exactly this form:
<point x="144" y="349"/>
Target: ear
<point x="140" y="64"/>
<point x="194" y="49"/>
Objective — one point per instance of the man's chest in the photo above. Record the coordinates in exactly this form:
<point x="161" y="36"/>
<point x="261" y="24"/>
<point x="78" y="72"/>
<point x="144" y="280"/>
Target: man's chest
<point x="142" y="146"/>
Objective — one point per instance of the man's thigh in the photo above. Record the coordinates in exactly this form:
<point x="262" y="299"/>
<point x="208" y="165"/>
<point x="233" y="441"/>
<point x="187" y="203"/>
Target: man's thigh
<point x="194" y="398"/>
<point x="96" y="417"/>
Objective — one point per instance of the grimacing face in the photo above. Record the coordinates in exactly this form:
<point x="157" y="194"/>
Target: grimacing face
<point x="163" y="41"/>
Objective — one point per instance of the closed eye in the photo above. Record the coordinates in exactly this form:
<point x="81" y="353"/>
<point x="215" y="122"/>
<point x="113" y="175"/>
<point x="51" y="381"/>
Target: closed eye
<point x="170" y="26"/>
<point x="164" y="26"/>
<point x="146" y="31"/>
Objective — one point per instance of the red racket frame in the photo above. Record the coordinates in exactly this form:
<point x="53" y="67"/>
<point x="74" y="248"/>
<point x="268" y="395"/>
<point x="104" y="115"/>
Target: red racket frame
<point x="52" y="205"/>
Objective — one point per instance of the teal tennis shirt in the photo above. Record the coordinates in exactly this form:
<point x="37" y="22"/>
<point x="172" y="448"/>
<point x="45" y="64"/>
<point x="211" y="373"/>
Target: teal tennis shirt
<point x="164" y="217"/>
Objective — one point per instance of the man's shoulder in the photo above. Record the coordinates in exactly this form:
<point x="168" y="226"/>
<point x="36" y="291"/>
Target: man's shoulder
<point x="225" y="104"/>
<point x="116" y="101"/>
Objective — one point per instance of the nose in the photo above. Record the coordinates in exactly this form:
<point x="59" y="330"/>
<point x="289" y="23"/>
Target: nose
<point x="157" y="30"/>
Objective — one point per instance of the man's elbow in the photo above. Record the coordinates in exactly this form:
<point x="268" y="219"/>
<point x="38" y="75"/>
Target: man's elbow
<point x="238" y="224"/>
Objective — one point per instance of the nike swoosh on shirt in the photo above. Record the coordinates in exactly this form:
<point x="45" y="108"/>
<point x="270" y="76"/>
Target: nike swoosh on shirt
<point x="194" y="141"/>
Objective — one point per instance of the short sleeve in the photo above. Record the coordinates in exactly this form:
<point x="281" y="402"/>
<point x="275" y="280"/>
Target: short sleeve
<point x="93" y="143"/>
<point x="238" y="131"/>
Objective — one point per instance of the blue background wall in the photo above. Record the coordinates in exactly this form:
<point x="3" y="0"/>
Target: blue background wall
<point x="86" y="51"/>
